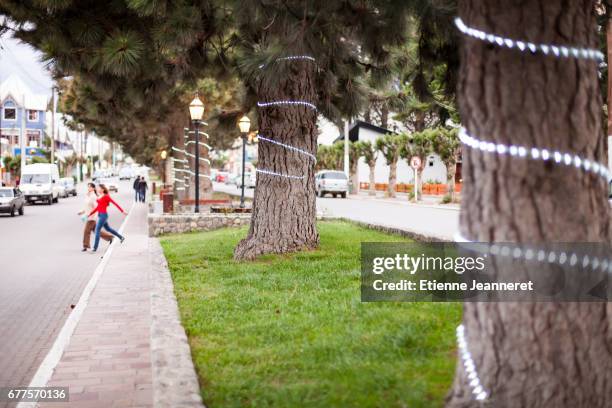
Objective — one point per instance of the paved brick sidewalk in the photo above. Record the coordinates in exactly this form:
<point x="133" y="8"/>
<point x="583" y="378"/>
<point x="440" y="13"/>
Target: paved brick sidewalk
<point x="108" y="360"/>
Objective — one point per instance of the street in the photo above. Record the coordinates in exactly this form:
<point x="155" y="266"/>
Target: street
<point x="433" y="221"/>
<point x="43" y="273"/>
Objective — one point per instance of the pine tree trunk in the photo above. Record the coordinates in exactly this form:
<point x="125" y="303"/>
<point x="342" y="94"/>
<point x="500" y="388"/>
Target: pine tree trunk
<point x="392" y="179"/>
<point x="372" y="189"/>
<point x="534" y="354"/>
<point x="284" y="209"/>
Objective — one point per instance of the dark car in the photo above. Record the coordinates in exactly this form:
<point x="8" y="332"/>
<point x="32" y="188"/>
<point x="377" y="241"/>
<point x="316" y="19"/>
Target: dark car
<point x="11" y="201"/>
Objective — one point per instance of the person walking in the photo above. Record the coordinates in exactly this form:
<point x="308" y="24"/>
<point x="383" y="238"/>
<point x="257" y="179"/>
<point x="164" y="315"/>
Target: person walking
<point x="90" y="221"/>
<point x="142" y="189"/>
<point x="136" y="187"/>
<point x="104" y="201"/>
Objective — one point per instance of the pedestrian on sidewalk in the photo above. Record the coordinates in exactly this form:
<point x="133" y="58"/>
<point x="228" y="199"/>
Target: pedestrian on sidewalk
<point x="136" y="187"/>
<point x="102" y="209"/>
<point x="142" y="189"/>
<point x="90" y="221"/>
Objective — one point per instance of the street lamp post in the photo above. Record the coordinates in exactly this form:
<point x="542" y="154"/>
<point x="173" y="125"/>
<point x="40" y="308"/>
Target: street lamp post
<point x="163" y="155"/>
<point x="196" y="111"/>
<point x="244" y="124"/>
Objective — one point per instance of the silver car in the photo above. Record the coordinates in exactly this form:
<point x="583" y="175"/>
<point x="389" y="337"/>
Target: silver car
<point x="12" y="201"/>
<point x="332" y="182"/>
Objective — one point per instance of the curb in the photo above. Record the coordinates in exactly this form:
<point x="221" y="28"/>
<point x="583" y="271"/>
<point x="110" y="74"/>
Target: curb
<point x="175" y="383"/>
<point x="402" y="232"/>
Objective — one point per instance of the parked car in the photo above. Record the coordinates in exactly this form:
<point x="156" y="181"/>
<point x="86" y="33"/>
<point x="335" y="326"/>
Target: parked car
<point x="63" y="193"/>
<point x="40" y="182"/>
<point x="232" y="179"/>
<point x="221" y="176"/>
<point x="126" y="173"/>
<point x="112" y="183"/>
<point x="331" y="182"/>
<point x="11" y="201"/>
<point x="250" y="180"/>
<point x="69" y="186"/>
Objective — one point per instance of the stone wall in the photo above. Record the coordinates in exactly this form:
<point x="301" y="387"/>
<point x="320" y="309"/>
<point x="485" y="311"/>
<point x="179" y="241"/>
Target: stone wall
<point x="160" y="224"/>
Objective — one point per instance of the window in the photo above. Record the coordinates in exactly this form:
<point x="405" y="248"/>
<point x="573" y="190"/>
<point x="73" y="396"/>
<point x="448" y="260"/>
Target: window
<point x="10" y="114"/>
<point x="33" y="115"/>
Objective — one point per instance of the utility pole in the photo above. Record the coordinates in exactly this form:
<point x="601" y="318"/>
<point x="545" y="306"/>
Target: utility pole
<point x="346" y="148"/>
<point x="53" y="124"/>
<point x="81" y="158"/>
<point x="22" y="134"/>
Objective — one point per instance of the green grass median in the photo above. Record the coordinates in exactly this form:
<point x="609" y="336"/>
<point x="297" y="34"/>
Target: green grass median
<point x="290" y="331"/>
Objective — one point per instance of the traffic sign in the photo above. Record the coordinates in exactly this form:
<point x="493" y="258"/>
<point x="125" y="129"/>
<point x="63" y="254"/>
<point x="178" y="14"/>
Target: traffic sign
<point x="415" y="162"/>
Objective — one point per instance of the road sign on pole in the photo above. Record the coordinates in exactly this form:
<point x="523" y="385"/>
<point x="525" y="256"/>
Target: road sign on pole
<point x="415" y="163"/>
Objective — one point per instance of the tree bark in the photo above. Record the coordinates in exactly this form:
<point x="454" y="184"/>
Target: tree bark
<point x="354" y="176"/>
<point x="392" y="178"/>
<point x="533" y="354"/>
<point x="372" y="189"/>
<point x="284" y="209"/>
<point x="450" y="179"/>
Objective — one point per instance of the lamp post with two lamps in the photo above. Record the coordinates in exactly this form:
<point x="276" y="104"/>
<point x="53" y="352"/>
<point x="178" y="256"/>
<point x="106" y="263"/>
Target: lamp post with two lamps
<point x="196" y="111"/>
<point x="245" y="125"/>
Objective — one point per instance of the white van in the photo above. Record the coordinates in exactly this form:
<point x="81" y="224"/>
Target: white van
<point x="40" y="182"/>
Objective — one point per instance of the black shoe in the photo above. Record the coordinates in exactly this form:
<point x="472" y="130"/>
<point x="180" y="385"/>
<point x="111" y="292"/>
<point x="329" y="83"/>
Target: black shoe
<point x="84" y="250"/>
<point x="122" y="239"/>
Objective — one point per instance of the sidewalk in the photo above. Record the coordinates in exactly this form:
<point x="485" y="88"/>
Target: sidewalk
<point x="108" y="360"/>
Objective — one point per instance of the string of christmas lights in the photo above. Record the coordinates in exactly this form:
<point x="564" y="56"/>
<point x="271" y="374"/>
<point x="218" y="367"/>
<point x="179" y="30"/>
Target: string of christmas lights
<point x="560" y="257"/>
<point x="289" y="147"/>
<point x="292" y="58"/>
<point x="289" y="103"/>
<point x="559" y="51"/>
<point x="468" y="364"/>
<point x="534" y="153"/>
<point x="273" y="173"/>
<point x="206" y="145"/>
<point x="277" y="103"/>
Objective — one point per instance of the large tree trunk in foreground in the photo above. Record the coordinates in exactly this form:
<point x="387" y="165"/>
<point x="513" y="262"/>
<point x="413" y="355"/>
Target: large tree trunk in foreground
<point x="534" y="354"/>
<point x="284" y="209"/>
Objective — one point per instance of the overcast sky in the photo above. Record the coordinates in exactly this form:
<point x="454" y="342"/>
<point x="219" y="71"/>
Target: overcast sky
<point x="24" y="61"/>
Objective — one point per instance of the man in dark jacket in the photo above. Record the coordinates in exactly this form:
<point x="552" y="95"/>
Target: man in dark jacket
<point x="136" y="187"/>
<point x="142" y="189"/>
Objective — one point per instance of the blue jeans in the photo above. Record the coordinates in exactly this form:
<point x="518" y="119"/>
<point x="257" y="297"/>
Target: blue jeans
<point x="103" y="223"/>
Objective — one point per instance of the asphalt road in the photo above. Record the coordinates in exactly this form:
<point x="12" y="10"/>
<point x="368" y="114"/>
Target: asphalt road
<point x="42" y="273"/>
<point x="433" y="221"/>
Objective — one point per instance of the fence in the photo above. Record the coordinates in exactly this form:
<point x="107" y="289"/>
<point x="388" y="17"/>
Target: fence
<point x="428" y="189"/>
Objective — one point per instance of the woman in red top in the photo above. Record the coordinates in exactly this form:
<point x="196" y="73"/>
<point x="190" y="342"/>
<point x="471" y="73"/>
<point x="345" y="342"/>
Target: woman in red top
<point x="102" y="209"/>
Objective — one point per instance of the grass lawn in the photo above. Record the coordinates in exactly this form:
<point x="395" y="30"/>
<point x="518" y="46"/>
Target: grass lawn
<point x="291" y="331"/>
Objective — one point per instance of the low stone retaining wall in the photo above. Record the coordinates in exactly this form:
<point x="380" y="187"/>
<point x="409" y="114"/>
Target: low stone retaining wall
<point x="160" y="224"/>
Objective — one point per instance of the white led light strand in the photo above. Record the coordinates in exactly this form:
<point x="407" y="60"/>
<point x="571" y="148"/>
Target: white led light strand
<point x="534" y="153"/>
<point x="200" y="143"/>
<point x="468" y="364"/>
<point x="559" y="51"/>
<point x="273" y="173"/>
<point x="289" y="147"/>
<point x="190" y="154"/>
<point x="277" y="103"/>
<point x="560" y="257"/>
<point x="292" y="58"/>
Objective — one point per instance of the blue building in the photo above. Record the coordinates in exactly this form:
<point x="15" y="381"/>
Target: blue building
<point x="18" y="102"/>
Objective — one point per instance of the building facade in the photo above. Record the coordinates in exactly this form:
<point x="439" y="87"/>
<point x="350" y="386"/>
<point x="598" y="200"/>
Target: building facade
<point x="21" y="113"/>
